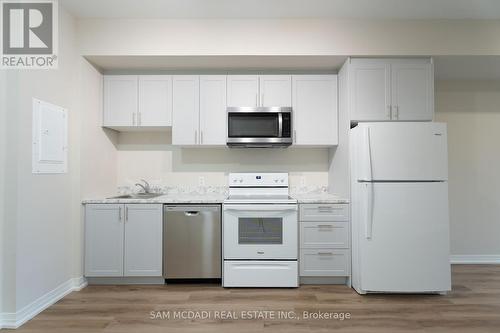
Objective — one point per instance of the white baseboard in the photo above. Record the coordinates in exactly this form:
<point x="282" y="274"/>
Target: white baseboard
<point x="493" y="259"/>
<point x="16" y="319"/>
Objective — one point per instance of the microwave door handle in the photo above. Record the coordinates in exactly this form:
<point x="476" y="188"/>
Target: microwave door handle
<point x="280" y="125"/>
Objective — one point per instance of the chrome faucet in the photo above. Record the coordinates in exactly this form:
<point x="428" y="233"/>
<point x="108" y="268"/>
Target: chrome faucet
<point x="146" y="187"/>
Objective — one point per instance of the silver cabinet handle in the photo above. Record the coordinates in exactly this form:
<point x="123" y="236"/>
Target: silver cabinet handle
<point x="325" y="253"/>
<point x="389" y="112"/>
<point x="256" y="99"/>
<point x="126" y="213"/>
<point x="294" y="136"/>
<point x="119" y="213"/>
<point x="201" y="137"/>
<point x="396" y="112"/>
<point x="262" y="99"/>
<point x="139" y="120"/>
<point x="325" y="226"/>
<point x="195" y="136"/>
<point x="133" y="118"/>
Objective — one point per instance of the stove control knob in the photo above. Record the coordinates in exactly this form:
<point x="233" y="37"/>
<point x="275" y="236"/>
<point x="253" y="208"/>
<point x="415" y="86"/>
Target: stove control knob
<point x="275" y="180"/>
<point x="282" y="180"/>
<point x="235" y="180"/>
<point x="241" y="180"/>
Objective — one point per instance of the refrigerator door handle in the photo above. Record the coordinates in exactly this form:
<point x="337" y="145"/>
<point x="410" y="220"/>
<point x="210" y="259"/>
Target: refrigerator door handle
<point x="368" y="155"/>
<point x="369" y="210"/>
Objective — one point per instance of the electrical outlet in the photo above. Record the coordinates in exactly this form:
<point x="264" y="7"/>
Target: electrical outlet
<point x="302" y="181"/>
<point x="201" y="181"/>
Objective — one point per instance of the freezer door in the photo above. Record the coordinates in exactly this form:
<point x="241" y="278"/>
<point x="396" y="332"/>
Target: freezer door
<point x="403" y="237"/>
<point x="407" y="151"/>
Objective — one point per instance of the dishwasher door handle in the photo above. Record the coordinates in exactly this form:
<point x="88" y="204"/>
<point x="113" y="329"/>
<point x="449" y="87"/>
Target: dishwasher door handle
<point x="191" y="213"/>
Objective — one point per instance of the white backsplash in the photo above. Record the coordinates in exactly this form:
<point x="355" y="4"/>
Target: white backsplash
<point x="171" y="169"/>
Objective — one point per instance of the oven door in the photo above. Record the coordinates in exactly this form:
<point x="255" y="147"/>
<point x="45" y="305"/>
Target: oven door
<point x="260" y="231"/>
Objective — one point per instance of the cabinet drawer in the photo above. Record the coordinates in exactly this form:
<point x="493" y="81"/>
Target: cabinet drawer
<point x="324" y="212"/>
<point x="324" y="262"/>
<point x="324" y="235"/>
<point x="247" y="273"/>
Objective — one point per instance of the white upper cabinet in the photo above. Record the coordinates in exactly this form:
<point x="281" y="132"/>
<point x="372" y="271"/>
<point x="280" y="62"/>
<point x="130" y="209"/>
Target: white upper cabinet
<point x="186" y="110"/>
<point x="391" y="90"/>
<point x="155" y="100"/>
<point x="255" y="90"/>
<point x="243" y="90"/>
<point x="275" y="90"/>
<point x="370" y="90"/>
<point x="120" y="100"/>
<point x="143" y="240"/>
<point x="213" y="110"/>
<point x="412" y="91"/>
<point x="137" y="101"/>
<point x="104" y="230"/>
<point x="315" y="110"/>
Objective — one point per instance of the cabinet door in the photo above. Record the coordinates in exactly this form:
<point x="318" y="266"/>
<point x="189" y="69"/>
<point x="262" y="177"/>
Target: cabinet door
<point x="186" y="110"/>
<point x="143" y="240"/>
<point x="155" y="100"/>
<point x="370" y="90"/>
<point x="120" y="100"/>
<point x="412" y="91"/>
<point x="315" y="110"/>
<point x="104" y="240"/>
<point x="275" y="90"/>
<point x="243" y="90"/>
<point x="213" y="110"/>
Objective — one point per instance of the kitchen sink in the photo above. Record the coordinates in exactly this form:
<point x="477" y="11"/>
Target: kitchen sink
<point x="137" y="196"/>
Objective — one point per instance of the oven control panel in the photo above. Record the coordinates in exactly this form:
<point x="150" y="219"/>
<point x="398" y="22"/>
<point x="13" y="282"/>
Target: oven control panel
<point x="265" y="179"/>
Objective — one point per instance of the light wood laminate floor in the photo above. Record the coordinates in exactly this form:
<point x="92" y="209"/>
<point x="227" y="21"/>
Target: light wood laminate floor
<point x="472" y="306"/>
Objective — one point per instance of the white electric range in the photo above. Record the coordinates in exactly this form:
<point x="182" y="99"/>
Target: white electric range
<point x="260" y="232"/>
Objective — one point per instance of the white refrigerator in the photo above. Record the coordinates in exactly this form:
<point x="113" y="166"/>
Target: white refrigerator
<point x="400" y="222"/>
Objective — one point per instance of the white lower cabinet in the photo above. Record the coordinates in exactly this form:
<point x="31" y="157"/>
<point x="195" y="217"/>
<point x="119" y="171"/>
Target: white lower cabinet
<point x="324" y="240"/>
<point x="143" y="240"/>
<point x="324" y="262"/>
<point x="104" y="240"/>
<point x="123" y="240"/>
<point x="333" y="235"/>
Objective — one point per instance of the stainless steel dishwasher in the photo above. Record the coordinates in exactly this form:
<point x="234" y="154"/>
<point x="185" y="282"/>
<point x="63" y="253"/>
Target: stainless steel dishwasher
<point x="192" y="242"/>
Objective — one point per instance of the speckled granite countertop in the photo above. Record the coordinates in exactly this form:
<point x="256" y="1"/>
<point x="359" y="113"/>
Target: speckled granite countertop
<point x="324" y="198"/>
<point x="319" y="198"/>
<point x="216" y="195"/>
<point x="165" y="199"/>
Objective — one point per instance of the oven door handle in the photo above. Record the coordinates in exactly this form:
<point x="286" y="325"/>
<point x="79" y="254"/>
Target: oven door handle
<point x="254" y="208"/>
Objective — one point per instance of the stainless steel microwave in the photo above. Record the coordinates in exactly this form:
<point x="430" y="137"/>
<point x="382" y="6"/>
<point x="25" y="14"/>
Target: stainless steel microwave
<point x="259" y="127"/>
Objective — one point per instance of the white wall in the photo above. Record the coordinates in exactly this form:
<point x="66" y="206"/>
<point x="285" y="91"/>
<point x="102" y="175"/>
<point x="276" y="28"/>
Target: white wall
<point x="47" y="205"/>
<point x="41" y="218"/>
<point x="99" y="154"/>
<point x="3" y="148"/>
<point x="471" y="110"/>
<point x="288" y="37"/>
<point x="9" y="190"/>
<point x="151" y="156"/>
